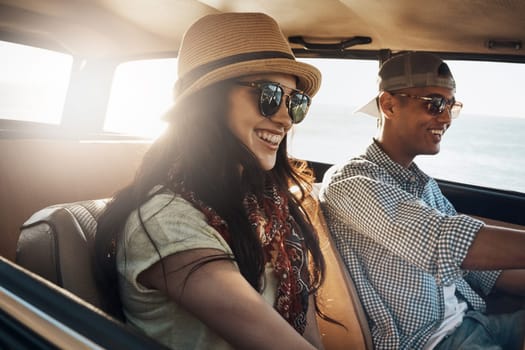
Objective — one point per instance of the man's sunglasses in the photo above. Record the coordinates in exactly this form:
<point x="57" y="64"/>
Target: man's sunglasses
<point x="436" y="104"/>
<point x="272" y="95"/>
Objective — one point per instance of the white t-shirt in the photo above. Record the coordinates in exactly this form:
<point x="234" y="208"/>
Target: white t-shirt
<point x="175" y="226"/>
<point x="454" y="312"/>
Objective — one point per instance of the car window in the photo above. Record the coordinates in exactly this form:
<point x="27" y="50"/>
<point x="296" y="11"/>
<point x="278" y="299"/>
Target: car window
<point x="481" y="148"/>
<point x="33" y="83"/>
<point x="331" y="131"/>
<point x="140" y="93"/>
<point x="484" y="146"/>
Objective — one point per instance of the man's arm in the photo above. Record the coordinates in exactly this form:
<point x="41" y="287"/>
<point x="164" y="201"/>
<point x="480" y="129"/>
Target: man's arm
<point x="496" y="248"/>
<point x="512" y="282"/>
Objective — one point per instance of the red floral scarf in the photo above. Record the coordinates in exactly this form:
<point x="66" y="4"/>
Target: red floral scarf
<point x="283" y="245"/>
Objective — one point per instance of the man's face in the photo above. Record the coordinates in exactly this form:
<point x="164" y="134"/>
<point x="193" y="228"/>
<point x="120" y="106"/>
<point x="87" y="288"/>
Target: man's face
<point x="417" y="128"/>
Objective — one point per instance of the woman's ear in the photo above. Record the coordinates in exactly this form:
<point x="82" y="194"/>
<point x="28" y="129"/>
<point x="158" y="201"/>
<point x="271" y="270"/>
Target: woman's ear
<point x="387" y="102"/>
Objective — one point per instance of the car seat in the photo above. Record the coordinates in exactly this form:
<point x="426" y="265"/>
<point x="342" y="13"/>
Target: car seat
<point x="337" y="297"/>
<point x="57" y="243"/>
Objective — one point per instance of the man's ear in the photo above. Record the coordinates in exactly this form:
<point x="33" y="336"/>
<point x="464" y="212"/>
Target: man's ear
<point x="387" y="102"/>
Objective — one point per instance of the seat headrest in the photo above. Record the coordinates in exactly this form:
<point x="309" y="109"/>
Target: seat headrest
<point x="57" y="243"/>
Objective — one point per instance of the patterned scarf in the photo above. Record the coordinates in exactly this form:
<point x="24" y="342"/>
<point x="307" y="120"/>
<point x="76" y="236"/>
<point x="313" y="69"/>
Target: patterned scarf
<point x="283" y="246"/>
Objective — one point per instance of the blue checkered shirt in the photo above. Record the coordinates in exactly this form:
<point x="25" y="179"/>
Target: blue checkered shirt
<point x="402" y="241"/>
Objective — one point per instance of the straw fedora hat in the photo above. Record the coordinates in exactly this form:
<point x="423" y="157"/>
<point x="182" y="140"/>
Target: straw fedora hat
<point x="223" y="46"/>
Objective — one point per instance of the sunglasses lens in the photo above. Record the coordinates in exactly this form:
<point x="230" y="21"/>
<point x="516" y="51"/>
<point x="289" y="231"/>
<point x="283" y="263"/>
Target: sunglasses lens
<point x="437" y="105"/>
<point x="298" y="107"/>
<point x="271" y="98"/>
<point x="272" y="95"/>
<point x="455" y="109"/>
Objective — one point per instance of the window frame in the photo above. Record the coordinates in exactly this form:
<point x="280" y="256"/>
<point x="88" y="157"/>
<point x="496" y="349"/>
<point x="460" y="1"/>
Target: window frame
<point x="71" y="318"/>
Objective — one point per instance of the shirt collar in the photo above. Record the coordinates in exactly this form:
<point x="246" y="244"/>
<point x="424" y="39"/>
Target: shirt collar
<point x="411" y="174"/>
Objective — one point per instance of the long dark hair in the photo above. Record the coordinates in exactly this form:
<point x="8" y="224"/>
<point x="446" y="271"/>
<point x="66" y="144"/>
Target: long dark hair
<point x="199" y="150"/>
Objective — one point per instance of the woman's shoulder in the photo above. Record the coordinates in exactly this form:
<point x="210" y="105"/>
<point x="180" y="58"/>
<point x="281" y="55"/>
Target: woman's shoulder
<point x="168" y="201"/>
<point x="167" y="208"/>
<point x="169" y="218"/>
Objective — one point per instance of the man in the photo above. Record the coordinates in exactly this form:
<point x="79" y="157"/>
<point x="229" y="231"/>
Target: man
<point x="420" y="268"/>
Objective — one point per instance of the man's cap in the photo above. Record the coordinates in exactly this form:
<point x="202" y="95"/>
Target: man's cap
<point x="407" y="70"/>
<point x="224" y="46"/>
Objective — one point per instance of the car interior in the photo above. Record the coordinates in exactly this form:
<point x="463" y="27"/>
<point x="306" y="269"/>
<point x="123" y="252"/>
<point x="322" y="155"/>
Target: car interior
<point x="57" y="178"/>
<point x="39" y="314"/>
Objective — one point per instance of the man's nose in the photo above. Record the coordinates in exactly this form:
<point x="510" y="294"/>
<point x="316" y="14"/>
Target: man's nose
<point x="446" y="115"/>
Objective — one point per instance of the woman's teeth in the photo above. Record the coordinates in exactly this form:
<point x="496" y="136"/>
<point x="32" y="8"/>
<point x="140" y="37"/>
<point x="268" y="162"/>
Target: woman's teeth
<point x="269" y="137"/>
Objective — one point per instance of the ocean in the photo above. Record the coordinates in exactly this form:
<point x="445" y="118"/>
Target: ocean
<point x="480" y="150"/>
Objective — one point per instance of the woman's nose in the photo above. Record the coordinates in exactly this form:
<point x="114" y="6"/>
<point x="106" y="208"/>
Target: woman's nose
<point x="282" y="116"/>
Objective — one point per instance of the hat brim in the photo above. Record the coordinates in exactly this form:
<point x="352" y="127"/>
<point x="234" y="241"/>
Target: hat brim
<point x="308" y="76"/>
<point x="370" y="109"/>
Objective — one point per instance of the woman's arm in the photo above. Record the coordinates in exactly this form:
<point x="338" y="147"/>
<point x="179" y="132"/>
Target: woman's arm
<point x="218" y="295"/>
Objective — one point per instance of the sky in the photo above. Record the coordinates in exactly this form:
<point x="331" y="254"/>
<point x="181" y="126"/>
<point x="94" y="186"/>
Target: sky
<point x="478" y="85"/>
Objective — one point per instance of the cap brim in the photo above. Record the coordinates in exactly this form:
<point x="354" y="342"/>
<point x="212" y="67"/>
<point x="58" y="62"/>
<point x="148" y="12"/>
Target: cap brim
<point x="370" y="109"/>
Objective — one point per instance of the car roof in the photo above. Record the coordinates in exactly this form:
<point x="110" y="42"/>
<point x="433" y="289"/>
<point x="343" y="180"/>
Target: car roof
<point x="116" y="28"/>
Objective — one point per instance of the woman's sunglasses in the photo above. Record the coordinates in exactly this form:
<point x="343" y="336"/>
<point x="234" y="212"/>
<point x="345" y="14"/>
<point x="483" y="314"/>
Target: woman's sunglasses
<point x="271" y="97"/>
<point x="436" y="104"/>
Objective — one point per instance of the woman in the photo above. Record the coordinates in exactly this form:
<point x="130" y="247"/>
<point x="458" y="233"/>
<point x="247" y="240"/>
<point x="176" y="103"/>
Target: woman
<point x="210" y="247"/>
